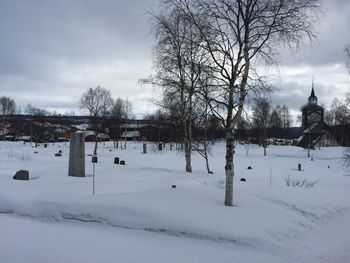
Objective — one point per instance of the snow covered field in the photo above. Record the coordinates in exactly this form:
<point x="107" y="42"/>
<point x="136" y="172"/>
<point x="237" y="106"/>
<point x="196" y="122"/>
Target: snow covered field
<point x="136" y="216"/>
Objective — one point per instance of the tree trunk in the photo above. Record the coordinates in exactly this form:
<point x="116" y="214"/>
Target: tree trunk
<point x="188" y="158"/>
<point x="264" y="140"/>
<point x="188" y="146"/>
<point x="206" y="157"/>
<point x="229" y="167"/>
<point x="205" y="145"/>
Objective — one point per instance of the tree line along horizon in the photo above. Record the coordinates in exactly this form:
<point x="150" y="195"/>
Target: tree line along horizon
<point x="98" y="102"/>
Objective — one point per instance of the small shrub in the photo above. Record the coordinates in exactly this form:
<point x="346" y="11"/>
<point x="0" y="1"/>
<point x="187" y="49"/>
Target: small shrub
<point x="299" y="182"/>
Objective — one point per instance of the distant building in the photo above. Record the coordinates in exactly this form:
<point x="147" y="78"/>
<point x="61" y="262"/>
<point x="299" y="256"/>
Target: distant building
<point x="315" y="132"/>
<point x="131" y="135"/>
<point x="92" y="136"/>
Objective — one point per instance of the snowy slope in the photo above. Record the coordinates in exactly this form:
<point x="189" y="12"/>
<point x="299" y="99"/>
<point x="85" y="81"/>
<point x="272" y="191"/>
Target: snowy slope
<point x="270" y="222"/>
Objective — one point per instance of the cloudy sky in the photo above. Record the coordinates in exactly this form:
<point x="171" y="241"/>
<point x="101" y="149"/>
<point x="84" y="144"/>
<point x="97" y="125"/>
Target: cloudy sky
<point x="52" y="51"/>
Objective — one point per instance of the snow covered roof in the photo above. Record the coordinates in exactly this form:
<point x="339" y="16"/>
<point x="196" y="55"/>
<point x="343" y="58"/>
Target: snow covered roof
<point x="103" y="136"/>
<point x="81" y="126"/>
<point x="24" y="138"/>
<point x="133" y="125"/>
<point x="89" y="133"/>
<point x="130" y="134"/>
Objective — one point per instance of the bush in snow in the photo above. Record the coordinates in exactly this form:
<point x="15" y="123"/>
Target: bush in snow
<point x="300" y="182"/>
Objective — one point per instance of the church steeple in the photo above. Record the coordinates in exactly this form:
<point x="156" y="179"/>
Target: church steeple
<point x="313" y="98"/>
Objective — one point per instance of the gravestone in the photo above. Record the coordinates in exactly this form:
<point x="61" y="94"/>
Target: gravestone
<point x="299" y="166"/>
<point x="77" y="155"/>
<point x="58" y="154"/>
<point x="122" y="162"/>
<point x="243" y="180"/>
<point x="144" y="148"/>
<point x="116" y="160"/>
<point x="22" y="175"/>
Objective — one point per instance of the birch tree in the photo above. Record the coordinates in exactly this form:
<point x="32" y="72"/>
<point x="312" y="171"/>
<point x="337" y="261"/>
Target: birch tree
<point x="97" y="102"/>
<point x="240" y="34"/>
<point x="262" y="117"/>
<point x="7" y="106"/>
<point x="178" y="64"/>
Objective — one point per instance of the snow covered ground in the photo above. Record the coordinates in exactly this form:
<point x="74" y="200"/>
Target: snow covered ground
<point x="136" y="216"/>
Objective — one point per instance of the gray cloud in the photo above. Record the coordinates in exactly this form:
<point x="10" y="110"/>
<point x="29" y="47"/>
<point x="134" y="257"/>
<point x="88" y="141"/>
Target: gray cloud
<point x="52" y="51"/>
<point x="332" y="31"/>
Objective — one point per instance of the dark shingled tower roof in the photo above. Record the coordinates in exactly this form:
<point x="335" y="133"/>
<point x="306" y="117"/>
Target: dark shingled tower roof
<point x="312" y="93"/>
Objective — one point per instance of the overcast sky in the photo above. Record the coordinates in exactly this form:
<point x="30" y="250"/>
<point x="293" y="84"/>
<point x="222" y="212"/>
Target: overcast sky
<point x="52" y="51"/>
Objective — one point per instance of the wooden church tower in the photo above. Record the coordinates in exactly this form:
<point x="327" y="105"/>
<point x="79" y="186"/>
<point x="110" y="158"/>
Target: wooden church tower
<point x="312" y="114"/>
<point x="315" y="132"/>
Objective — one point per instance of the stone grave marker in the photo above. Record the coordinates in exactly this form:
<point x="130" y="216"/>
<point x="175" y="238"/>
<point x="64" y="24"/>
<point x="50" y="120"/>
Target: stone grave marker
<point x="77" y="155"/>
<point x="22" y="175"/>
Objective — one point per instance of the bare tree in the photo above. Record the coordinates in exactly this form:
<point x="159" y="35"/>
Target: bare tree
<point x="7" y="106"/>
<point x="280" y="120"/>
<point x="276" y="118"/>
<point x="237" y="36"/>
<point x="39" y="127"/>
<point x="122" y="112"/>
<point x="178" y="62"/>
<point x="97" y="102"/>
<point x="262" y="119"/>
<point x="119" y="110"/>
<point x="35" y="111"/>
<point x="118" y="113"/>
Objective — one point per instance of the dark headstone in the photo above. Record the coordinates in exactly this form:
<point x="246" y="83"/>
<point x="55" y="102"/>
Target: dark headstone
<point x="249" y="168"/>
<point x="35" y="152"/>
<point x="243" y="180"/>
<point x="144" y="148"/>
<point x="22" y="175"/>
<point x="58" y="154"/>
<point x="94" y="159"/>
<point x="45" y="145"/>
<point x="116" y="160"/>
<point x="173" y="186"/>
<point x="122" y="162"/>
<point x="299" y="167"/>
<point x="60" y="151"/>
<point x="160" y="146"/>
